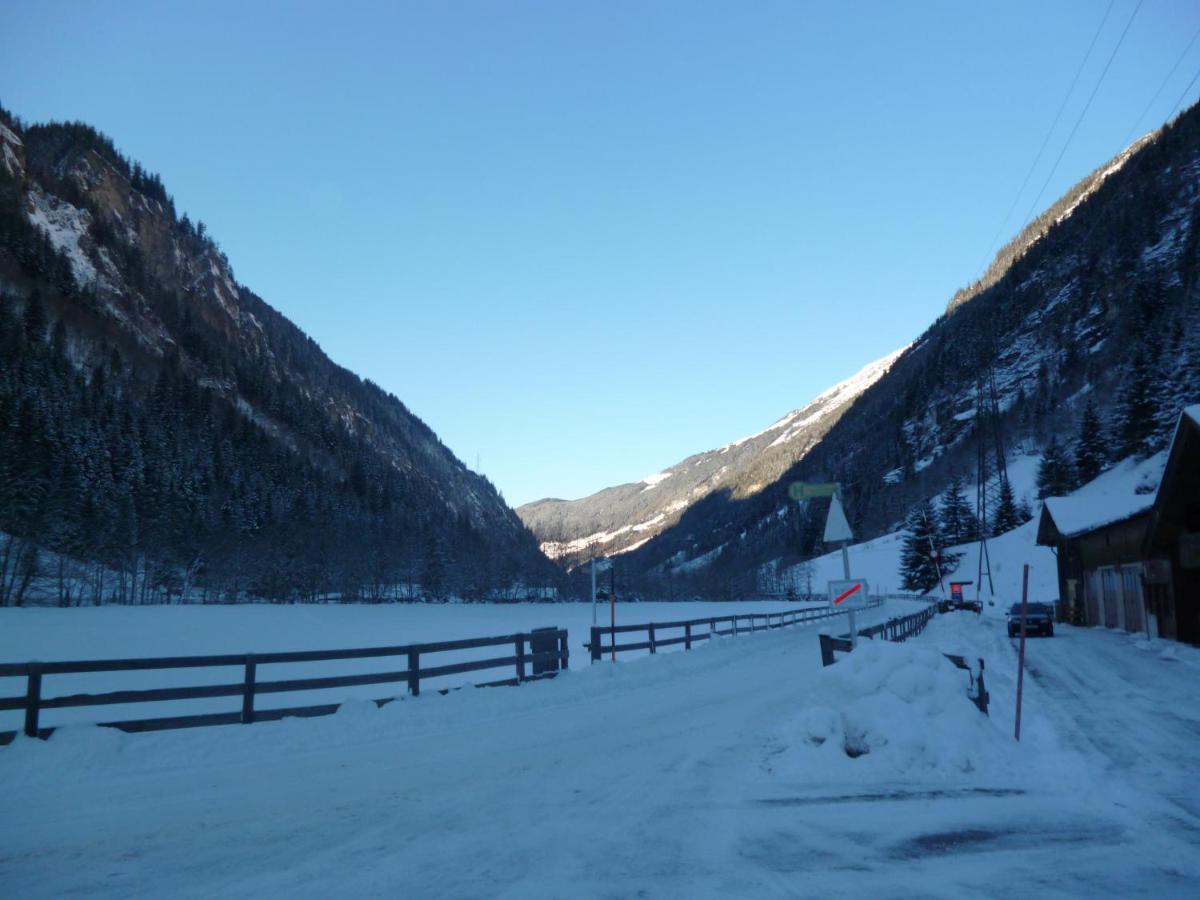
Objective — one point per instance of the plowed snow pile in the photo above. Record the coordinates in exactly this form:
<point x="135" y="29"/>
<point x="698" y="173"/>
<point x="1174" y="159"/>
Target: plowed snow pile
<point x="896" y="708"/>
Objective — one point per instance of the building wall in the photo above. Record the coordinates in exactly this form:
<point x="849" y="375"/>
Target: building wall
<point x="1106" y="565"/>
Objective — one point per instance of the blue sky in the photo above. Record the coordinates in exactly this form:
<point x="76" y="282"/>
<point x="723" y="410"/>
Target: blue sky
<point x="584" y="240"/>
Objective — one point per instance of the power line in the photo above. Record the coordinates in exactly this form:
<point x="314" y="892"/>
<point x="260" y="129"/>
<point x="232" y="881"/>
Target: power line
<point x="1186" y="90"/>
<point x="1046" y="140"/>
<point x="1161" y="87"/>
<point x="1086" y="107"/>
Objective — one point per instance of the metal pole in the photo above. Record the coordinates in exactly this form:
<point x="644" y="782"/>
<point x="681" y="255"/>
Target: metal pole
<point x="593" y="590"/>
<point x="1021" y="652"/>
<point x="933" y="553"/>
<point x="612" y="605"/>
<point x="850" y="612"/>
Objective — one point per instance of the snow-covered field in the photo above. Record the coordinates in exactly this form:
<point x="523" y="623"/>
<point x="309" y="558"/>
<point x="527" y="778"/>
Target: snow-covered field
<point x="114" y="632"/>
<point x="720" y="772"/>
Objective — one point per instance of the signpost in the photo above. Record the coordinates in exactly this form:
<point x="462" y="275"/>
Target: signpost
<point x="837" y="530"/>
<point x="806" y="490"/>
<point x="849" y="594"/>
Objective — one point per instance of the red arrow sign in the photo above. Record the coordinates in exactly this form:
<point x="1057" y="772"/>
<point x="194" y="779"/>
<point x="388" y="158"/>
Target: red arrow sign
<point x="852" y="590"/>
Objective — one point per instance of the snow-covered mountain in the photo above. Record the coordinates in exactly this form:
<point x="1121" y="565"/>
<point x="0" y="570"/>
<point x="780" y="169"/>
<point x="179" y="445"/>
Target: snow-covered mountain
<point x="622" y="518"/>
<point x="1096" y="304"/>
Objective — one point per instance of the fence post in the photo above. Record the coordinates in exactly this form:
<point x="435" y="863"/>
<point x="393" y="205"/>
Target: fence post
<point x="248" y="690"/>
<point x="564" y="653"/>
<point x="594" y="647"/>
<point x="520" y="642"/>
<point x="414" y="673"/>
<point x="735" y="618"/>
<point x="826" y="650"/>
<point x="653" y="643"/>
<point x="687" y="636"/>
<point x="981" y="694"/>
<point x="33" y="699"/>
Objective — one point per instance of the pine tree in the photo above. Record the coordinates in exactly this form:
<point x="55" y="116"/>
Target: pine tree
<point x="957" y="519"/>
<point x="35" y="318"/>
<point x="1054" y="475"/>
<point x="1135" y="418"/>
<point x="918" y="567"/>
<point x="1091" y="450"/>
<point x="1007" y="517"/>
<point x="1024" y="511"/>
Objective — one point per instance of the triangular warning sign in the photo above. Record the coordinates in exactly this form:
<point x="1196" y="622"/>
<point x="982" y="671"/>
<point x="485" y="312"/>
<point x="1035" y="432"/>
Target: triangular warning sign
<point x="836" y="526"/>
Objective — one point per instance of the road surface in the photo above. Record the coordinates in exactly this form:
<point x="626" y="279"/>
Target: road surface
<point x="669" y="777"/>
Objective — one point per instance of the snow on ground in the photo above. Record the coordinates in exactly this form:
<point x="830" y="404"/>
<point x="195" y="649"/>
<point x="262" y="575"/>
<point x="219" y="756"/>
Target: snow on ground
<point x="891" y="710"/>
<point x="115" y="632"/>
<point x="1098" y="798"/>
<point x="686" y="775"/>
<point x="878" y="561"/>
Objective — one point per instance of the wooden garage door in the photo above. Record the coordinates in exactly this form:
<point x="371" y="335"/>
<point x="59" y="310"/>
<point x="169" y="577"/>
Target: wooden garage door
<point x="1131" y="590"/>
<point x="1112" y="595"/>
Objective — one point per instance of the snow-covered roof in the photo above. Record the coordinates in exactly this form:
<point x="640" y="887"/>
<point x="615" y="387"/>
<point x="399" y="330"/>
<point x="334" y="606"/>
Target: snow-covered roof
<point x="1124" y="491"/>
<point x="1171" y="488"/>
<point x="1074" y="516"/>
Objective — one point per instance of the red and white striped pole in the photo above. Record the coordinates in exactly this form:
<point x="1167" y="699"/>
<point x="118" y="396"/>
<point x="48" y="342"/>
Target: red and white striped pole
<point x="1021" y="652"/>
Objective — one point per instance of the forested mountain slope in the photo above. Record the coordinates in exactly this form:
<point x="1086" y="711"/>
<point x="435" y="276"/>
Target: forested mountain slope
<point x="161" y="421"/>
<point x="1096" y="307"/>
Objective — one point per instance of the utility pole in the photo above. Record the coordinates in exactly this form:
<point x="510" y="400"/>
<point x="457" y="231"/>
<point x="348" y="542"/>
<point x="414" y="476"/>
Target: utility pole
<point x="612" y="603"/>
<point x="933" y="553"/>
<point x="846" y="575"/>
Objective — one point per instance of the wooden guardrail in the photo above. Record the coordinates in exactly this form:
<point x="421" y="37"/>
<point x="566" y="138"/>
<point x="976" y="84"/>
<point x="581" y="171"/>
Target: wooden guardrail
<point x="697" y="630"/>
<point x="900" y="629"/>
<point x="547" y="653"/>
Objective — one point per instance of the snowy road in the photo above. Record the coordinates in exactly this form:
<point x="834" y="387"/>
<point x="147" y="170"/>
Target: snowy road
<point x="1133" y="707"/>
<point x="681" y="776"/>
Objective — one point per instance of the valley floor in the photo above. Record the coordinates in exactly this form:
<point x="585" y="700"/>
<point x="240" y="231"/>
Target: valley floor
<point x="687" y="775"/>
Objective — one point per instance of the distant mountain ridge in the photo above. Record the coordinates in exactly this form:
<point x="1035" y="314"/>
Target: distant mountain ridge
<point x="622" y="518"/>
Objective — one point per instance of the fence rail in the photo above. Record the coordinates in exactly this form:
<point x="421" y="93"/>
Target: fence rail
<point x="535" y="654"/>
<point x="898" y="629"/>
<point x="697" y="630"/>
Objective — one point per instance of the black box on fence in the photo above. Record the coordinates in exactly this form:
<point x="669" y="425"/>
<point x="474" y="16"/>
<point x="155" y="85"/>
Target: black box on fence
<point x="543" y="644"/>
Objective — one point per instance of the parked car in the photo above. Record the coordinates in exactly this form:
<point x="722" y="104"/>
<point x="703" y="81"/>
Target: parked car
<point x="968" y="605"/>
<point x="1039" y="619"/>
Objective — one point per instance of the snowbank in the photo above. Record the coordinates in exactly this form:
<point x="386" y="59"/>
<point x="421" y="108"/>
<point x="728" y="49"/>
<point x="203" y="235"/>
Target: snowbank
<point x="896" y="709"/>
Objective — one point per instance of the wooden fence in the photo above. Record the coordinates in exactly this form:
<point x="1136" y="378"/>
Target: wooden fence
<point x="696" y="630"/>
<point x="547" y="653"/>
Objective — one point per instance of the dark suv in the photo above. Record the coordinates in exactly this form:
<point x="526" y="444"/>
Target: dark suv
<point x="1039" y="619"/>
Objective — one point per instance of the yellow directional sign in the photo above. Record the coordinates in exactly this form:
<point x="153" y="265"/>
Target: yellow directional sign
<point x="806" y="490"/>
